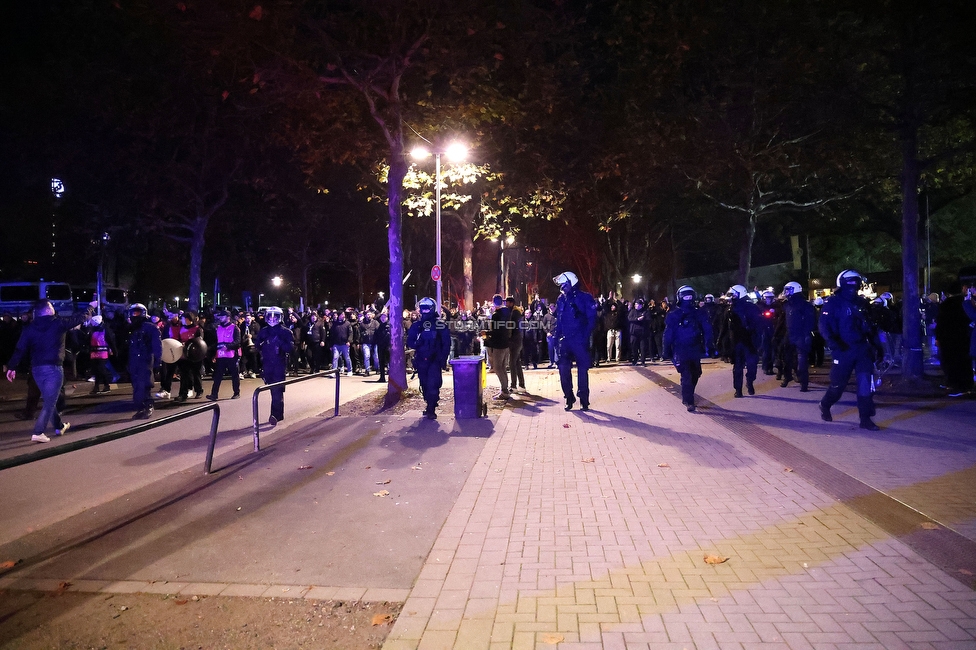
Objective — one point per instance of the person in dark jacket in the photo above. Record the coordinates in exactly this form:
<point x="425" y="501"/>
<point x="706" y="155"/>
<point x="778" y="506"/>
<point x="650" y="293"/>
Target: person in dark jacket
<point x="339" y="335"/>
<point x="515" y="342"/>
<point x="954" y="333"/>
<point x="145" y="355"/>
<point x="576" y="317"/>
<point x="742" y="337"/>
<point x="854" y="346"/>
<point x="42" y="341"/>
<point x="687" y="331"/>
<point x="431" y="340"/>
<point x="795" y="326"/>
<point x="381" y="340"/>
<point x="498" y="335"/>
<point x="276" y="343"/>
<point x="639" y="323"/>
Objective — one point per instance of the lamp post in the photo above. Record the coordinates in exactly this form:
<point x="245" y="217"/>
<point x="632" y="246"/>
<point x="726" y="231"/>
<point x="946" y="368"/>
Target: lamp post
<point x="456" y="152"/>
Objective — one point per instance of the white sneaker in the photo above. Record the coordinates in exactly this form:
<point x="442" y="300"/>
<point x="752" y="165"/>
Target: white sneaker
<point x="90" y="379"/>
<point x="348" y="374"/>
<point x="190" y="394"/>
<point x="162" y="395"/>
<point x="40" y="437"/>
<point x="63" y="430"/>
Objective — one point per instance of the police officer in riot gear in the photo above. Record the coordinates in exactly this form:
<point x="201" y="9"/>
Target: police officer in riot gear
<point x="576" y="313"/>
<point x="796" y="334"/>
<point x="687" y="331"/>
<point x="742" y="332"/>
<point x="853" y="346"/>
<point x="275" y="343"/>
<point x="769" y="311"/>
<point x="145" y="355"/>
<point x="431" y="339"/>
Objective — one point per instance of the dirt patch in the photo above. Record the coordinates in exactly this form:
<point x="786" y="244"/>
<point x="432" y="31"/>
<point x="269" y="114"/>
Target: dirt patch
<point x="71" y="620"/>
<point x="412" y="400"/>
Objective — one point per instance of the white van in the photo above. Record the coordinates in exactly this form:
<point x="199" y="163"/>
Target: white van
<point x="19" y="297"/>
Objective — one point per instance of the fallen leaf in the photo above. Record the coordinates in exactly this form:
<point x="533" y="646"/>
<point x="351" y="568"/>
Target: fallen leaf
<point x="240" y="478"/>
<point x="552" y="639"/>
<point x="715" y="559"/>
<point x="382" y="619"/>
<point x="9" y="564"/>
<point x="416" y="467"/>
<point x="330" y="473"/>
<point x="62" y="587"/>
<point x="304" y="467"/>
<point x="367" y="467"/>
<point x="386" y="482"/>
<point x="382" y="493"/>
<point x="565" y="426"/>
<point x="181" y="601"/>
<point x="663" y="465"/>
<point x="965" y="572"/>
<point x="788" y="469"/>
<point x="591" y="459"/>
<point x="930" y="525"/>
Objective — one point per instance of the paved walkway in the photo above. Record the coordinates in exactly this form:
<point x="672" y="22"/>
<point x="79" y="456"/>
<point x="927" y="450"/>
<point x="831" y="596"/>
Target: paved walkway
<point x="596" y="531"/>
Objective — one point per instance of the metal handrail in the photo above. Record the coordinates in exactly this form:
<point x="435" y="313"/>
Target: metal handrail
<point x="82" y="443"/>
<point x="293" y="380"/>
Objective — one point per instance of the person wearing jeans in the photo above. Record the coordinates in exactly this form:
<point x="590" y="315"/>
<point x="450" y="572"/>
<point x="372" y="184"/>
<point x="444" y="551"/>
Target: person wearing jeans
<point x="42" y="341"/>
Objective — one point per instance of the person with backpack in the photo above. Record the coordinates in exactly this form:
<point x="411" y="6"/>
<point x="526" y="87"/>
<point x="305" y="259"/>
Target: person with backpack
<point x="687" y="331"/>
<point x="431" y="340"/>
<point x="742" y="336"/>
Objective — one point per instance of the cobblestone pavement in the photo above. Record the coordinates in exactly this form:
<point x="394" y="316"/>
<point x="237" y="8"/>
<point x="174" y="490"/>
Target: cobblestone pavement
<point x="596" y="530"/>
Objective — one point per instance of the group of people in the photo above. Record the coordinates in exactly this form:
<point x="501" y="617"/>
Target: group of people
<point x="782" y="335"/>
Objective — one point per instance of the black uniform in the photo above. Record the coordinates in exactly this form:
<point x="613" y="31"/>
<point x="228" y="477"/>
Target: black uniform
<point x="275" y="343"/>
<point x="431" y="339"/>
<point x="145" y="355"/>
<point x="687" y="330"/>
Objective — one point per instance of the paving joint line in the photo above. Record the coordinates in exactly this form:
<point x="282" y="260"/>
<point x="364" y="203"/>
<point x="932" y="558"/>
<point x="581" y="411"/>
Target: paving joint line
<point x="942" y="546"/>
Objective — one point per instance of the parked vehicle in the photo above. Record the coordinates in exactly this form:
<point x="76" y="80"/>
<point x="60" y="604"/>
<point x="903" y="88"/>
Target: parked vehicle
<point x="19" y="297"/>
<point x="113" y="298"/>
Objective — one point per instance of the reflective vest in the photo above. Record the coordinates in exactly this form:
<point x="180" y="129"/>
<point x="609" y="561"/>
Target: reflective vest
<point x="99" y="348"/>
<point x="225" y="334"/>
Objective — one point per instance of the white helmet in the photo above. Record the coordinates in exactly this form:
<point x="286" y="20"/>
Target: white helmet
<point x="137" y="307"/>
<point x="685" y="292"/>
<point x="791" y="288"/>
<point x="886" y="296"/>
<point x="709" y="297"/>
<point x="426" y="305"/>
<point x="737" y="291"/>
<point x="818" y="301"/>
<point x="566" y="276"/>
<point x="272" y="316"/>
<point x="849" y="278"/>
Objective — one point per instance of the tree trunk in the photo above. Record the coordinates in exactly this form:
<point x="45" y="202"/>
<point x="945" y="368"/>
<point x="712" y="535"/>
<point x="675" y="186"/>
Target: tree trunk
<point x="398" y="369"/>
<point x="745" y="253"/>
<point x="911" y="321"/>
<point x="196" y="263"/>
<point x="467" y="248"/>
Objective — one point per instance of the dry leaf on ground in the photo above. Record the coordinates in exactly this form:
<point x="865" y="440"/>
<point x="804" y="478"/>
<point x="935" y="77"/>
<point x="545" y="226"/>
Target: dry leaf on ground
<point x="715" y="559"/>
<point x="663" y="465"/>
<point x="330" y="473"/>
<point x="787" y="469"/>
<point x="62" y="587"/>
<point x="416" y="467"/>
<point x="965" y="572"/>
<point x="591" y="459"/>
<point x="386" y="482"/>
<point x="304" y="467"/>
<point x="382" y="493"/>
<point x="552" y="639"/>
<point x="382" y="619"/>
<point x="930" y="525"/>
<point x="9" y="564"/>
<point x="565" y="426"/>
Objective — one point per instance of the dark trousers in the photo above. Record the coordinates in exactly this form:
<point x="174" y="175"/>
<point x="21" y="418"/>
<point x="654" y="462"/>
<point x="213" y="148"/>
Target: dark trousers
<point x="796" y="358"/>
<point x="515" y="365"/>
<point x="226" y="365"/>
<point x="691" y="371"/>
<point x="431" y="380"/>
<point x="569" y="351"/>
<point x="638" y="349"/>
<point x="142" y="383"/>
<point x="271" y="376"/>
<point x="99" y="369"/>
<point x="858" y="360"/>
<point x="190" y="377"/>
<point x="743" y="358"/>
<point x="956" y="364"/>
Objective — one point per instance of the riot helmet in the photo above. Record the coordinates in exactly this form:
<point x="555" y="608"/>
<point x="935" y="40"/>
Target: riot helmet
<point x="737" y="291"/>
<point x="566" y="280"/>
<point x="685" y="294"/>
<point x="709" y="297"/>
<point x="849" y="279"/>
<point x="137" y="310"/>
<point x="272" y="316"/>
<point x="791" y="288"/>
<point x="426" y="305"/>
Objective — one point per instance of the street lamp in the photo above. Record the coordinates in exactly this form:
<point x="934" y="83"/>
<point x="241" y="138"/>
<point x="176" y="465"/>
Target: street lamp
<point x="260" y="295"/>
<point x="276" y="281"/>
<point x="177" y="299"/>
<point x="456" y="152"/>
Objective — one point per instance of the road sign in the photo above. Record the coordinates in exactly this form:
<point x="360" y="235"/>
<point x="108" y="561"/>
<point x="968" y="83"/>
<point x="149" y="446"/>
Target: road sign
<point x="435" y="273"/>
